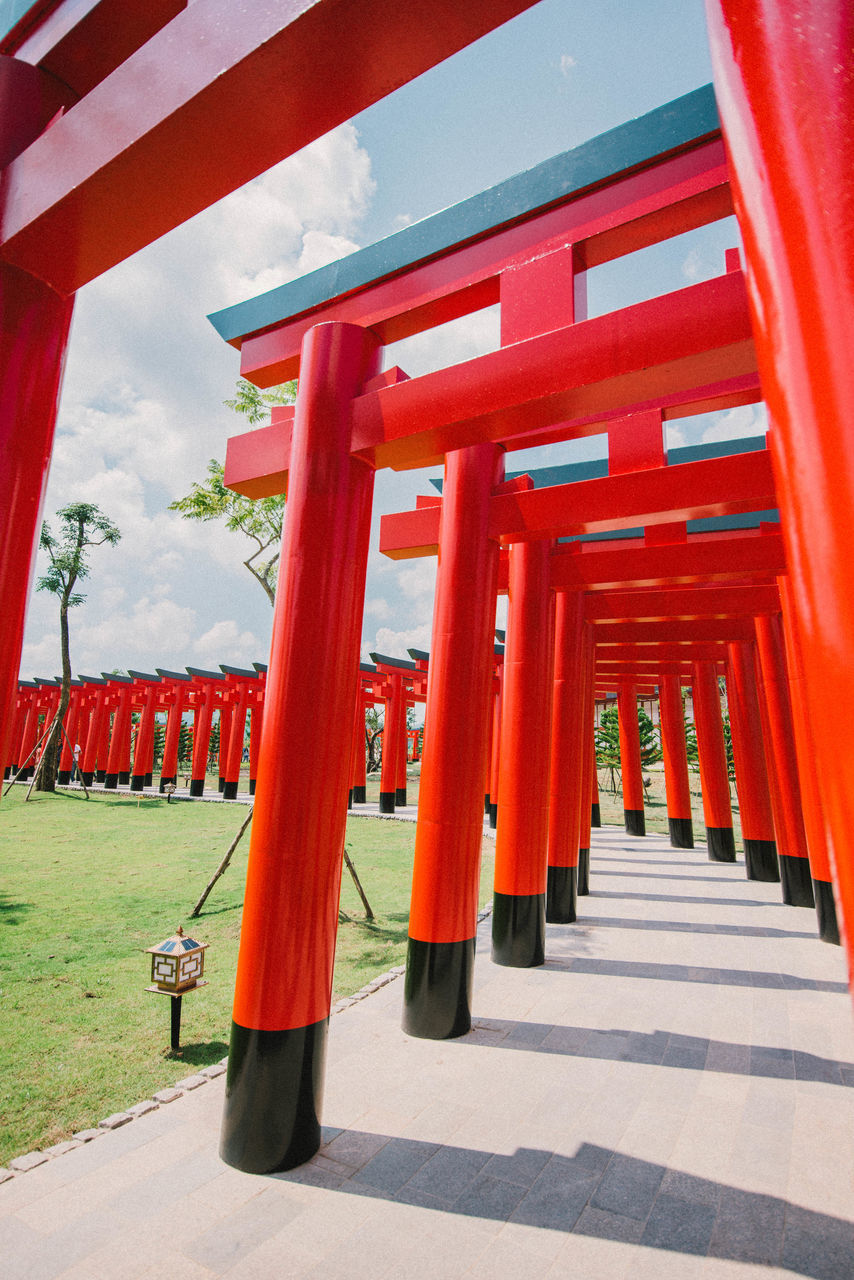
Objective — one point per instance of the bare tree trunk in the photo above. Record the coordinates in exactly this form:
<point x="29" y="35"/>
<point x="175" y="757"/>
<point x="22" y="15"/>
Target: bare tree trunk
<point x="44" y="778"/>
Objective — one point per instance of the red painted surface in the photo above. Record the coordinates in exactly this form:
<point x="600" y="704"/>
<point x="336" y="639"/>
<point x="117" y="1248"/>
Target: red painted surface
<point x="290" y="915"/>
<point x="676" y="781"/>
<point x="118" y="759"/>
<point x="780" y="742"/>
<point x="751" y="775"/>
<point x="568" y="738"/>
<point x="446" y="868"/>
<point x="521" y="839"/>
<point x="708" y="722"/>
<point x="630" y="758"/>
<point x="788" y="116"/>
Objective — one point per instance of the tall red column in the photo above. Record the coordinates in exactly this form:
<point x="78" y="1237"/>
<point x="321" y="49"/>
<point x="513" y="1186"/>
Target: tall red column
<point x="795" y="877"/>
<point x="400" y="798"/>
<point x="360" y="771"/>
<point x="495" y="745"/>
<point x="751" y="775"/>
<point x="630" y="760"/>
<point x="446" y="869"/>
<point x="566" y="769"/>
<point x="256" y="723"/>
<point x="589" y="780"/>
<point x="118" y="758"/>
<point x="69" y="737"/>
<point x="714" y="775"/>
<point x="595" y="808"/>
<point x="812" y="808"/>
<point x="290" y="914"/>
<point x="391" y="744"/>
<point x="788" y="117"/>
<point x="202" y="725"/>
<point x="34" y="323"/>
<point x="674" y="750"/>
<point x="143" y="755"/>
<point x="521" y="840"/>
<point x="174" y="718"/>
<point x="98" y="719"/>
<point x="234" y="749"/>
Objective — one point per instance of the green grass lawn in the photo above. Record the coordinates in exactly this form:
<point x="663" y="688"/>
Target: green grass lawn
<point x="84" y="888"/>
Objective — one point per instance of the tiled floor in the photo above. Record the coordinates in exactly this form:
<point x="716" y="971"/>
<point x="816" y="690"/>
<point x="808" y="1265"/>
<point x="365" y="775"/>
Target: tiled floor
<point x="670" y="1095"/>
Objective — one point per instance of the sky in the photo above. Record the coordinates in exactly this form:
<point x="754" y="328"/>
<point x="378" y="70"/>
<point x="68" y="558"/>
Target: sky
<point x="142" y="403"/>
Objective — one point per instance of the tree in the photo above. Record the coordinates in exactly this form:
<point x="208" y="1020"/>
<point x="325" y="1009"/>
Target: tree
<point x="607" y="740"/>
<point x="373" y="738"/>
<point x="82" y="525"/>
<point x="258" y="519"/>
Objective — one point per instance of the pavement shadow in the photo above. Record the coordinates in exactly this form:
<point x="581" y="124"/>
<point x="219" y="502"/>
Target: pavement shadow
<point x="686" y="926"/>
<point x="597" y="1192"/>
<point x="694" y="973"/>
<point x="675" y="897"/>
<point x="661" y="1048"/>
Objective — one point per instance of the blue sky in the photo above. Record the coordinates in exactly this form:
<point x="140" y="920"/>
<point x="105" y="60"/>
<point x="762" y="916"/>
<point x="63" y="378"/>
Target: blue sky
<point x="142" y="411"/>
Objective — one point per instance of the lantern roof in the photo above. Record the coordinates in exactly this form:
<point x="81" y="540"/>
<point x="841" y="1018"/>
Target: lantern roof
<point x="178" y="944"/>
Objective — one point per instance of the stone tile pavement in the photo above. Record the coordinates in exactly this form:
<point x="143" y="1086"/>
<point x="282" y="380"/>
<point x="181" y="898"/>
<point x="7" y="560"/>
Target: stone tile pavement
<point x="670" y="1095"/>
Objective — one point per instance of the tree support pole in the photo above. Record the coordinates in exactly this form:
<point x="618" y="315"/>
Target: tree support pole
<point x="446" y="869"/>
<point x="751" y="774"/>
<point x="630" y="760"/>
<point x="788" y="115"/>
<point x="521" y="840"/>
<point x="674" y="750"/>
<point x="290" y="916"/>
<point x="714" y="775"/>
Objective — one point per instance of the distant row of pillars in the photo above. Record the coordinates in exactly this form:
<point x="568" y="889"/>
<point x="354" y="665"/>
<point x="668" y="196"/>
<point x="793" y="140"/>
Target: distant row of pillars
<point x="99" y="721"/>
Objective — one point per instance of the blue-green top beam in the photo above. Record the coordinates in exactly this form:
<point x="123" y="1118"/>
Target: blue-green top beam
<point x="683" y="122"/>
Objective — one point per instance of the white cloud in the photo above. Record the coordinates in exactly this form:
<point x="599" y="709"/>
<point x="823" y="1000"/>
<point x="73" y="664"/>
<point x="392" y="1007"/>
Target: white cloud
<point x="567" y="64"/>
<point x="396" y="643"/>
<point x="225" y="642"/>
<point x="741" y="422"/>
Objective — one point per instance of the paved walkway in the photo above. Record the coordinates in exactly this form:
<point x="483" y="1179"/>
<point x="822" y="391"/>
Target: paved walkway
<point x="670" y="1095"/>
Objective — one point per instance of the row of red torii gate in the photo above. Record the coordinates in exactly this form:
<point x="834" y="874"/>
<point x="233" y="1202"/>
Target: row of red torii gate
<point x="95" y="166"/>
<point x="113" y="721"/>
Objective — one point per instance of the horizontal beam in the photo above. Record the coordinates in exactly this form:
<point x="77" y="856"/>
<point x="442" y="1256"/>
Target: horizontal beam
<point x="701" y="558"/>
<point x="213" y="99"/>
<point x="699" y="601"/>
<point x="696" y="630"/>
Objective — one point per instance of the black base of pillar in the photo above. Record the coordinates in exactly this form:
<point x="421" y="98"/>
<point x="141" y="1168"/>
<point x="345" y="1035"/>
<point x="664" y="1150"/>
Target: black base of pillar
<point x="561" y="887"/>
<point x="583" y="887"/>
<point x="197" y="786"/>
<point x="359" y="796"/>
<point x="251" y="786"/>
<point x="87" y="779"/>
<point x="437" y="989"/>
<point x="760" y="860"/>
<point x="136" y="781"/>
<point x="721" y="844"/>
<point x="486" y="804"/>
<point x="825" y="907"/>
<point x="229" y="790"/>
<point x="400" y="800"/>
<point x="63" y="777"/>
<point x="681" y="833"/>
<point x="350" y="798"/>
<point x="124" y="777"/>
<point x="493" y="816"/>
<point x="7" y="772"/>
<point x="796" y="882"/>
<point x="25" y="774"/>
<point x="273" y="1094"/>
<point x="635" y="822"/>
<point x="387" y="801"/>
<point x="519" y="929"/>
<point x="595" y="816"/>
<point x="100" y="775"/>
<point x="149" y="779"/>
<point x="111" y="781"/>
<point x="165" y="782"/>
<point x="220" y="783"/>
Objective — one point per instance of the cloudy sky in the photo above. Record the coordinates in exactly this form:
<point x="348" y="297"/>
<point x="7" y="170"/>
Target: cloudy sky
<point x="142" y="409"/>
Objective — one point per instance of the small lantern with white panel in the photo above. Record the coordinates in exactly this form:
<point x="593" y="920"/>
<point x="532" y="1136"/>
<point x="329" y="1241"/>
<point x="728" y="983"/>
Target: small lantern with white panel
<point x="177" y="965"/>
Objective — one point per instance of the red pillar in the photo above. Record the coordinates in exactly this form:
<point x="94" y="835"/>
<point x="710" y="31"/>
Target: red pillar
<point x="811" y="795"/>
<point x="588" y="779"/>
<point x="202" y="724"/>
<point x="795" y="875"/>
<point x="446" y="869"/>
<point x="714" y="776"/>
<point x="99" y="717"/>
<point x="674" y="749"/>
<point x="234" y="749"/>
<point x="226" y="712"/>
<point x="391" y="745"/>
<point x="595" y="809"/>
<point x="256" y="723"/>
<point x="360" y="778"/>
<point x="495" y="745"/>
<point x="143" y="754"/>
<point x="568" y="747"/>
<point x="174" y="718"/>
<point x="400" y="798"/>
<point x="118" y="758"/>
<point x="34" y="323"/>
<point x="630" y="760"/>
<point x="788" y="118"/>
<point x="13" y="756"/>
<point x="69" y="737"/>
<point x="290" y="914"/>
<point x="751" y="775"/>
<point x="521" y="841"/>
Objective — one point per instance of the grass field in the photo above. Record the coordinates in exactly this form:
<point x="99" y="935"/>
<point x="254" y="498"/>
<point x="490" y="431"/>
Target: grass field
<point x="84" y="888"/>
